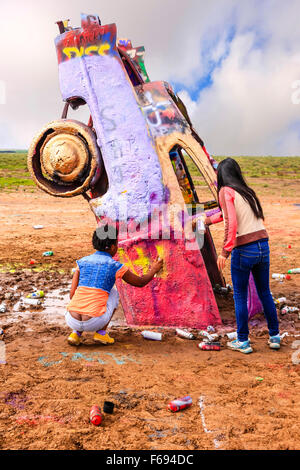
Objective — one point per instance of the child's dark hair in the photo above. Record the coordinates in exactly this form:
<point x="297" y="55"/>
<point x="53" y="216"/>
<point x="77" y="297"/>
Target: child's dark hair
<point x="104" y="237"/>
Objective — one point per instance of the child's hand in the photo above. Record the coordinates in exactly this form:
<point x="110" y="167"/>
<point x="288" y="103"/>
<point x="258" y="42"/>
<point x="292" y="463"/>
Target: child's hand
<point x="194" y="222"/>
<point x="221" y="261"/>
<point x="157" y="265"/>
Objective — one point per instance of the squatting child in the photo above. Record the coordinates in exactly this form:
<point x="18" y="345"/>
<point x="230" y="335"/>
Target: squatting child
<point x="94" y="298"/>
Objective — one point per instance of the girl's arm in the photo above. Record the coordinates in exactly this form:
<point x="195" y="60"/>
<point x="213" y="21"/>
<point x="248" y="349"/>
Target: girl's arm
<point x="141" y="281"/>
<point x="208" y="220"/>
<point x="227" y="196"/>
<point x="74" y="283"/>
<point x="214" y="218"/>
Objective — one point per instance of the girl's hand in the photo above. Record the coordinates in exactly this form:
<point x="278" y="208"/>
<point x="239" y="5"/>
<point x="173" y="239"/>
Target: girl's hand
<point x="194" y="222"/>
<point x="221" y="261"/>
<point x="157" y="265"/>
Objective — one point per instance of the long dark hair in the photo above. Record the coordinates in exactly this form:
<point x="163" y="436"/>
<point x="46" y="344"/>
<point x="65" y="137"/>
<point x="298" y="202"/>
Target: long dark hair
<point x="229" y="174"/>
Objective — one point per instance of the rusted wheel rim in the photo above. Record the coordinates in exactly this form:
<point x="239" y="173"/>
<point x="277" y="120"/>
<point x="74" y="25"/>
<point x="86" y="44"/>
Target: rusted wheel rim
<point x="63" y="158"/>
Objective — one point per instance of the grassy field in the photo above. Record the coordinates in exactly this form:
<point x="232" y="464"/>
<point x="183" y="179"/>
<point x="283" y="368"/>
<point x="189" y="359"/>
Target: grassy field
<point x="14" y="172"/>
<point x="15" y="175"/>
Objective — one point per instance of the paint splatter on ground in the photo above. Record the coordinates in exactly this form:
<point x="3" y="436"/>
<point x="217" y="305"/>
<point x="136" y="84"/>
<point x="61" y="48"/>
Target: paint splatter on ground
<point x="47" y="387"/>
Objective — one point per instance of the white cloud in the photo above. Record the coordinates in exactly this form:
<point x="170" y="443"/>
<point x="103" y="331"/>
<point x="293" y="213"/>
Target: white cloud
<point x="246" y="110"/>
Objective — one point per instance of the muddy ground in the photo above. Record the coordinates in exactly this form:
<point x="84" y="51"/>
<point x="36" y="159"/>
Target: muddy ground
<point x="48" y="387"/>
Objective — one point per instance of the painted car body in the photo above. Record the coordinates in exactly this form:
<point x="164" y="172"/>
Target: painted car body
<point x="142" y="131"/>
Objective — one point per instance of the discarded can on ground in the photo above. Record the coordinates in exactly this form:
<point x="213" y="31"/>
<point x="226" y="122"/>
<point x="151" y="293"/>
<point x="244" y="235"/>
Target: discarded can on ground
<point x="32" y="261"/>
<point x="209" y="346"/>
<point x="152" y="335"/>
<point x="48" y="253"/>
<point x="285" y="310"/>
<point x="210" y="329"/>
<point x="180" y="404"/>
<point x="108" y="407"/>
<point x="1" y="332"/>
<point x="294" y="271"/>
<point x="2" y="308"/>
<point x="38" y="227"/>
<point x="36" y="295"/>
<point x="208" y="336"/>
<point x="32" y="302"/>
<point x="232" y="335"/>
<point x="220" y="290"/>
<point x="96" y="415"/>
<point x="185" y="334"/>
<point x="283" y="335"/>
<point x="281" y="276"/>
<point x="281" y="300"/>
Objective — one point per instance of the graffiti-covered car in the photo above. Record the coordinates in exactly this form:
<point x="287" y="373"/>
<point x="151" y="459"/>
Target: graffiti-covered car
<point x="131" y="161"/>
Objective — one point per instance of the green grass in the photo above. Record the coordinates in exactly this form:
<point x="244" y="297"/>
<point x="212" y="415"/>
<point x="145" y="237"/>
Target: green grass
<point x="13" y="161"/>
<point x="259" y="167"/>
<point x="269" y="167"/>
<point x="13" y="171"/>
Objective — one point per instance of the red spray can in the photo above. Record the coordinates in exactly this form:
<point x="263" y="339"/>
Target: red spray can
<point x="209" y="346"/>
<point x="95" y="415"/>
<point x="180" y="404"/>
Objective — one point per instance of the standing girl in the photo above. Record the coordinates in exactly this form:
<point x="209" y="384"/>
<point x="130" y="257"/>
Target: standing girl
<point x="247" y="239"/>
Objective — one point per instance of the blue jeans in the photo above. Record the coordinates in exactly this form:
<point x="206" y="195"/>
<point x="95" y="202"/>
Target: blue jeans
<point x="253" y="257"/>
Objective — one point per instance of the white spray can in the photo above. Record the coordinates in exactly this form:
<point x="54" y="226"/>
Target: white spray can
<point x="232" y="335"/>
<point x="152" y="335"/>
<point x="2" y="308"/>
<point x="184" y="334"/>
<point x="285" y="310"/>
<point x="212" y="337"/>
<point x="281" y="276"/>
<point x="281" y="300"/>
<point x="32" y="302"/>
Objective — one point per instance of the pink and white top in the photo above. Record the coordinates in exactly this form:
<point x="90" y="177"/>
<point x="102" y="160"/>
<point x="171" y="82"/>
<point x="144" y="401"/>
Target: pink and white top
<point x="241" y="224"/>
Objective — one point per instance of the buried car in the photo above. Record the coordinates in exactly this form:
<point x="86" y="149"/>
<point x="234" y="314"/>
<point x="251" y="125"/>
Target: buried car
<point x="132" y="161"/>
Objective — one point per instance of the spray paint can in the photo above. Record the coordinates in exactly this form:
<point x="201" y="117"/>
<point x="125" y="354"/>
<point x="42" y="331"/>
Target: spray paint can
<point x="220" y="290"/>
<point x="48" y="253"/>
<point x="152" y="335"/>
<point x="2" y="308"/>
<point x="281" y="300"/>
<point x="294" y="271"/>
<point x="32" y="302"/>
<point x="285" y="310"/>
<point x="209" y="346"/>
<point x="184" y="334"/>
<point x="180" y="404"/>
<point x="200" y="226"/>
<point x="281" y="276"/>
<point x="232" y="335"/>
<point x="208" y="336"/>
<point x="96" y="415"/>
<point x="36" y="295"/>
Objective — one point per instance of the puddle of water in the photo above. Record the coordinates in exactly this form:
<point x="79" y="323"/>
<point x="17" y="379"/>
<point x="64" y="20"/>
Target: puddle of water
<point x="54" y="309"/>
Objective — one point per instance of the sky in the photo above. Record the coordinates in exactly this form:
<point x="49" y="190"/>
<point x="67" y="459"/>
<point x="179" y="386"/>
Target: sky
<point x="235" y="64"/>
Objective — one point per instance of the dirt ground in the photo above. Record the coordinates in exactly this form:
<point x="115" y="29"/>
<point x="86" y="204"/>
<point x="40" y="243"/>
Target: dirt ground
<point x="47" y="387"/>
